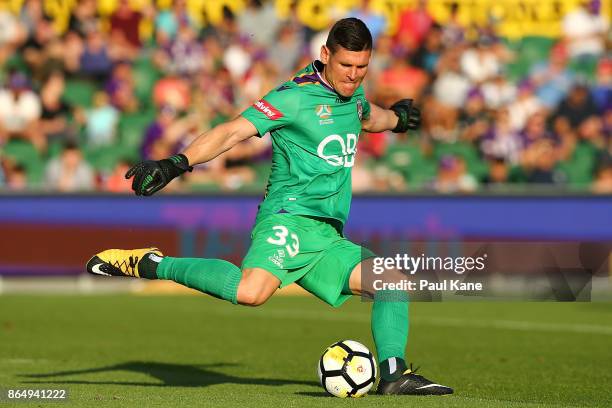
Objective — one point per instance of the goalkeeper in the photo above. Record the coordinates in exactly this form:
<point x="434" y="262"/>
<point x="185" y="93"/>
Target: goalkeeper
<point x="314" y="121"/>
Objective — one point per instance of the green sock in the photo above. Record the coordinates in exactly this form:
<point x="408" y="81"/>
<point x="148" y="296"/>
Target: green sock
<point x="215" y="277"/>
<point x="390" y="331"/>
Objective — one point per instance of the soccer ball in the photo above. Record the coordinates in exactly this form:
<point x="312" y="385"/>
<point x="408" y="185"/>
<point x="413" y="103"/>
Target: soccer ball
<point x="347" y="369"/>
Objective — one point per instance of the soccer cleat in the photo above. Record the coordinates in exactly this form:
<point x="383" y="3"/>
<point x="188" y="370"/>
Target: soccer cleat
<point x="411" y="384"/>
<point x="119" y="262"/>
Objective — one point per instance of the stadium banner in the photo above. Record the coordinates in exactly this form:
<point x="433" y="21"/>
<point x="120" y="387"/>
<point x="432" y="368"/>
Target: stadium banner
<point x="55" y="234"/>
<point x="514" y="18"/>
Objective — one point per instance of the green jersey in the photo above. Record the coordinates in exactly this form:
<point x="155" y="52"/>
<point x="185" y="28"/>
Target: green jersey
<point x="314" y="134"/>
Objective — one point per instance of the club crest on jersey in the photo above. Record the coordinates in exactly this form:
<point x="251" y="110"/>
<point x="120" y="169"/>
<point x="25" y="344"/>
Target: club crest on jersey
<point x="359" y="109"/>
<point x="324" y="113"/>
<point x="270" y="111"/>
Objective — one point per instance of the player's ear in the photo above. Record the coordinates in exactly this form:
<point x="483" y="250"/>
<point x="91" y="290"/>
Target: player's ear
<point x="324" y="54"/>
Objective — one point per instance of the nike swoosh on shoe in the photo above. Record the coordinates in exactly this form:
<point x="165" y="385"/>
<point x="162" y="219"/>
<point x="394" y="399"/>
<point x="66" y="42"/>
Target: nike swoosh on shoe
<point x="96" y="269"/>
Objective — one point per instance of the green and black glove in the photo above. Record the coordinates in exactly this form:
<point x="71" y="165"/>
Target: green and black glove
<point x="409" y="116"/>
<point x="151" y="176"/>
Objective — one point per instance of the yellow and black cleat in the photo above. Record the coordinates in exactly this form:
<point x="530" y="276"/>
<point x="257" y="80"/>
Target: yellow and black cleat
<point x="119" y="262"/>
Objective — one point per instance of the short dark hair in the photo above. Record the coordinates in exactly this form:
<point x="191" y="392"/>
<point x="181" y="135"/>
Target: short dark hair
<point x="350" y="33"/>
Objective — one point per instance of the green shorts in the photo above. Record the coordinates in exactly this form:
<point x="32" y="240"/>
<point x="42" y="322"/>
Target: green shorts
<point x="306" y="251"/>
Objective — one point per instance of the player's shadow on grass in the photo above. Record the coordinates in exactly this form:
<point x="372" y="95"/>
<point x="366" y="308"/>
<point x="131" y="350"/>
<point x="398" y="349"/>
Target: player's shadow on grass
<point x="172" y="375"/>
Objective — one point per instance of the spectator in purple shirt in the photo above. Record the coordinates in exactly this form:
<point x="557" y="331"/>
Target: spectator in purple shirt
<point x="95" y="59"/>
<point x="501" y="141"/>
<point x="184" y="55"/>
<point x="121" y="88"/>
<point x="156" y="131"/>
<point x="535" y="129"/>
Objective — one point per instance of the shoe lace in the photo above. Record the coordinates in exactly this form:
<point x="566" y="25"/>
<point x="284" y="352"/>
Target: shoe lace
<point x="129" y="266"/>
<point x="412" y="371"/>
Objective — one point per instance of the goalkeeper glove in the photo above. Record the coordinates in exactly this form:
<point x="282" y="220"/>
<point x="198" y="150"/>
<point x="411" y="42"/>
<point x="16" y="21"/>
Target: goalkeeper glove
<point x="151" y="176"/>
<point x="408" y="115"/>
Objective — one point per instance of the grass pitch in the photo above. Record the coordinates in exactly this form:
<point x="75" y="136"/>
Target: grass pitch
<point x="122" y="350"/>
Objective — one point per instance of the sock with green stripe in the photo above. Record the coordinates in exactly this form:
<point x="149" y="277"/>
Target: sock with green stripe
<point x="216" y="277"/>
<point x="390" y="332"/>
<point x="392" y="368"/>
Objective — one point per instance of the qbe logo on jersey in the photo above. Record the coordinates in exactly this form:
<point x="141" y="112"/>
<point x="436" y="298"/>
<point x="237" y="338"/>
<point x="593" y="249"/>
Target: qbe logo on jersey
<point x="329" y="148"/>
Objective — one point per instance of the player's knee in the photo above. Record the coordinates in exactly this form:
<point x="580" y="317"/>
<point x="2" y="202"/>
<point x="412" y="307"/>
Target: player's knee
<point x="253" y="297"/>
<point x="256" y="287"/>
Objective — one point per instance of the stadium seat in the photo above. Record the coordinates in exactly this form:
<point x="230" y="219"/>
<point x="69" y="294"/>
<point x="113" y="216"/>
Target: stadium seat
<point x="15" y="62"/>
<point x="408" y="160"/>
<point x="204" y="187"/>
<point x="79" y="92"/>
<point x="585" y="68"/>
<point x="529" y="51"/>
<point x="468" y="152"/>
<point x="145" y="76"/>
<point x="54" y="148"/>
<point x="104" y="158"/>
<point x="25" y="154"/>
<point x="132" y="128"/>
<point x="580" y="167"/>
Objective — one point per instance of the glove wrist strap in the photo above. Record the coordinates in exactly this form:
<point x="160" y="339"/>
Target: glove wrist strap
<point x="180" y="161"/>
<point x="402" y="121"/>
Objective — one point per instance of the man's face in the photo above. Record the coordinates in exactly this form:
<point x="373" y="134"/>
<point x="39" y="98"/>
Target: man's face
<point x="344" y="69"/>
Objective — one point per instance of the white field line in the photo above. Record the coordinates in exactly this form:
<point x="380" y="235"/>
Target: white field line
<point x="518" y="325"/>
<point x="23" y="360"/>
<point x="424" y="321"/>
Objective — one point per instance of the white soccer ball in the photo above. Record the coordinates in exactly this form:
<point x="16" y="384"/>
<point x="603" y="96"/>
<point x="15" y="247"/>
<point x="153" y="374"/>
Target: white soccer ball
<point x="347" y="369"/>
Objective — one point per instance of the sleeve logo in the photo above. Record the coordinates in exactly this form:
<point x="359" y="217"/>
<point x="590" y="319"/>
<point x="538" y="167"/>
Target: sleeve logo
<point x="270" y="111"/>
<point x="359" y="109"/>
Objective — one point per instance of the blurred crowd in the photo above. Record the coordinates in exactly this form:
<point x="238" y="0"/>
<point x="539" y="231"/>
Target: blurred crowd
<point x="79" y="106"/>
